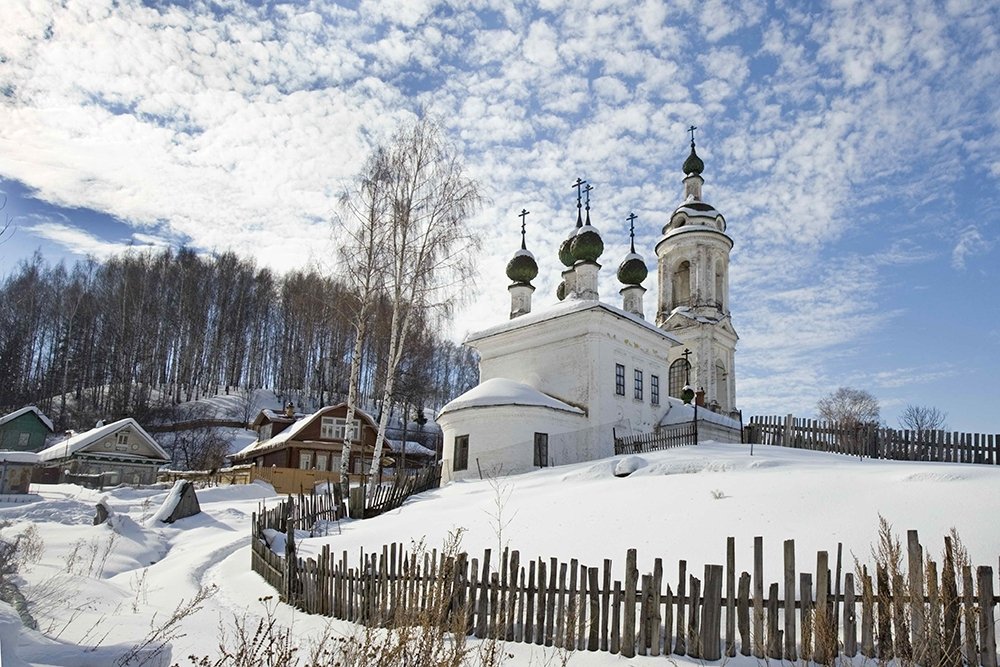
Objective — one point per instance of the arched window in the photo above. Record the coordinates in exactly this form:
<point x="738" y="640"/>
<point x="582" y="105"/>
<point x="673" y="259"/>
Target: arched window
<point x="721" y="384"/>
<point x="720" y="302"/>
<point x="682" y="285"/>
<point x="679" y="373"/>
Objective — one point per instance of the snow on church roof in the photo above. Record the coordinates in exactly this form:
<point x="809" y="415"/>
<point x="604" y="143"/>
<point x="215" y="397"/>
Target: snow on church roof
<point x="502" y="391"/>
<point x="562" y="309"/>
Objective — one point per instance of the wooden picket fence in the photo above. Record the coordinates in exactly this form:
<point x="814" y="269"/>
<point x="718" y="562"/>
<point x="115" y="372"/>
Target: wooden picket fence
<point x="665" y="437"/>
<point x="916" y="616"/>
<point x="387" y="497"/>
<point x="875" y="442"/>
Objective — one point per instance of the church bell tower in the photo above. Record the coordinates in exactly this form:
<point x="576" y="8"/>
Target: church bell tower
<point x="693" y="305"/>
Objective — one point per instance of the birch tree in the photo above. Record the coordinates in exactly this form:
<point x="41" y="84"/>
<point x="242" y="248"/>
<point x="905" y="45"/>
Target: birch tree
<point x="429" y="246"/>
<point x="362" y="260"/>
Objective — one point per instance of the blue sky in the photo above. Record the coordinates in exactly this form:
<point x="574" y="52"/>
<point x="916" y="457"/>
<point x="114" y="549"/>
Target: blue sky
<point x="852" y="146"/>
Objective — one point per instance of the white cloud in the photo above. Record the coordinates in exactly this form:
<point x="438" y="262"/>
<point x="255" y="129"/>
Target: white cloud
<point x="970" y="242"/>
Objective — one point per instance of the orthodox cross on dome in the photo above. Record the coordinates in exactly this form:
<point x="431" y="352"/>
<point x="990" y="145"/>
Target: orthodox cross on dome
<point x="631" y="230"/>
<point x="523" y="214"/>
<point x="579" y="200"/>
<point x="587" y="190"/>
<point x="691" y="130"/>
<point x="687" y="364"/>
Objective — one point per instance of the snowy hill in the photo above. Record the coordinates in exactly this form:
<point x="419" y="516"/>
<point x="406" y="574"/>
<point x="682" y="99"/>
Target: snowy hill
<point x="104" y="584"/>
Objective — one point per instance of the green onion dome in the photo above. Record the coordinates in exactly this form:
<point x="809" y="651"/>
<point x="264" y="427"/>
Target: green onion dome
<point x="632" y="270"/>
<point x="693" y="163"/>
<point x="522" y="267"/>
<point x="565" y="256"/>
<point x="561" y="291"/>
<point x="587" y="245"/>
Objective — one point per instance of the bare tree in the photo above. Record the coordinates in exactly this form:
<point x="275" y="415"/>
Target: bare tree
<point x="430" y="247"/>
<point x="362" y="261"/>
<point x="849" y="407"/>
<point x="6" y="222"/>
<point x="922" y="418"/>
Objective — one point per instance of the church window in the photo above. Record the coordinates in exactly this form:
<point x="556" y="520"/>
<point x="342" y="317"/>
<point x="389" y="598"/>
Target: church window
<point x="638" y="385"/>
<point x="461" y="453"/>
<point x="682" y="285"/>
<point x="541" y="449"/>
<point x="654" y="389"/>
<point x="719" y="302"/>
<point x="620" y="379"/>
<point x="678" y="377"/>
<point x="720" y="383"/>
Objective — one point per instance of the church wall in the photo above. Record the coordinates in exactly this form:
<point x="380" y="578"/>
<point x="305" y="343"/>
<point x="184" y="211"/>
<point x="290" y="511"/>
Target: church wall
<point x="502" y="439"/>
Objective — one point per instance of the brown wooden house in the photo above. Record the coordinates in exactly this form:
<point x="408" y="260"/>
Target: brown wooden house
<point x="314" y="442"/>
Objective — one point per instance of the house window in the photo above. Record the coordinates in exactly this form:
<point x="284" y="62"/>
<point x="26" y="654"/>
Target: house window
<point x="305" y="460"/>
<point x="541" y="449"/>
<point x="121" y="438"/>
<point x="654" y="389"/>
<point x="461" y="453"/>
<point x="678" y="377"/>
<point x="620" y="379"/>
<point x="332" y="428"/>
<point x="638" y="385"/>
<point x="265" y="432"/>
<point x="22" y="440"/>
<point x="320" y="461"/>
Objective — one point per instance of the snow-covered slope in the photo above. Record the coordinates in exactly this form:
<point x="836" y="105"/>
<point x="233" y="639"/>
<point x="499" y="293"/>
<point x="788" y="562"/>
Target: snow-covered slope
<point x="106" y="584"/>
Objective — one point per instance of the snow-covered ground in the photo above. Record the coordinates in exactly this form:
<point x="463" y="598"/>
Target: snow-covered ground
<point x="107" y="585"/>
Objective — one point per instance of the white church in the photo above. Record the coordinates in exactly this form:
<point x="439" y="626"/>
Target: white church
<point x="558" y="385"/>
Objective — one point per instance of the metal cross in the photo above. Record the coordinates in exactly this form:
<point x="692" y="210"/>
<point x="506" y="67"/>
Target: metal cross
<point x="691" y="130"/>
<point x="523" y="214"/>
<point x="687" y="369"/>
<point x="631" y="229"/>
<point x="579" y="187"/>
<point x="579" y="190"/>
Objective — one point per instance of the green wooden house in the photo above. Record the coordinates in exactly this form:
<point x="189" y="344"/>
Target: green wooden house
<point x="24" y="430"/>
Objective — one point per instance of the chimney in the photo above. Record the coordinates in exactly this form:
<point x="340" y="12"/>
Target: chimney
<point x="289" y="409"/>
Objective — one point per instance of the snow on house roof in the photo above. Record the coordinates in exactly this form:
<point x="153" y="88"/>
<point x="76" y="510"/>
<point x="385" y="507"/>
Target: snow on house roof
<point x="562" y="309"/>
<point x="502" y="391"/>
<point x="295" y="429"/>
<point x="7" y="456"/>
<point x="411" y="447"/>
<point x="77" y="442"/>
<point x="28" y="408"/>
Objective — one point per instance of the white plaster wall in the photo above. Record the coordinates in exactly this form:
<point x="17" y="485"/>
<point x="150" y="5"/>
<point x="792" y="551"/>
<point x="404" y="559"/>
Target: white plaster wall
<point x="502" y="439"/>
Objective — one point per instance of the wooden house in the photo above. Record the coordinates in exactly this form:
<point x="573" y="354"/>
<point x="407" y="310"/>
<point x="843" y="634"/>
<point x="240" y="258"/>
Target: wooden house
<point x="24" y="430"/>
<point x="314" y="442"/>
<point x="16" y="469"/>
<point x="117" y="453"/>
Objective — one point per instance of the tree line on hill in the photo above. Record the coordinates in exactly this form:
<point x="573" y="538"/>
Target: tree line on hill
<point x="144" y="331"/>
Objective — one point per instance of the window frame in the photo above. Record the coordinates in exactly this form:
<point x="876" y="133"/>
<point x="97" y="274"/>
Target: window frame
<point x="460" y="453"/>
<point x="619" y="379"/>
<point x="654" y="389"/>
<point x="541" y="450"/>
<point x="332" y="428"/>
<point x="638" y="383"/>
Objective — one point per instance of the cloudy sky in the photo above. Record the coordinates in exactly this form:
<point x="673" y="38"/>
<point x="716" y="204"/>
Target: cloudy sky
<point x="852" y="146"/>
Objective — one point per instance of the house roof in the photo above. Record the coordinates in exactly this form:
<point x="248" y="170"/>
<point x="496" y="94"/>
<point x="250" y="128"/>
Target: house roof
<point x="503" y="391"/>
<point x="296" y="428"/>
<point x="563" y="309"/>
<point x="412" y="447"/>
<point x="75" y="443"/>
<point x="7" y="456"/>
<point x="28" y="408"/>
